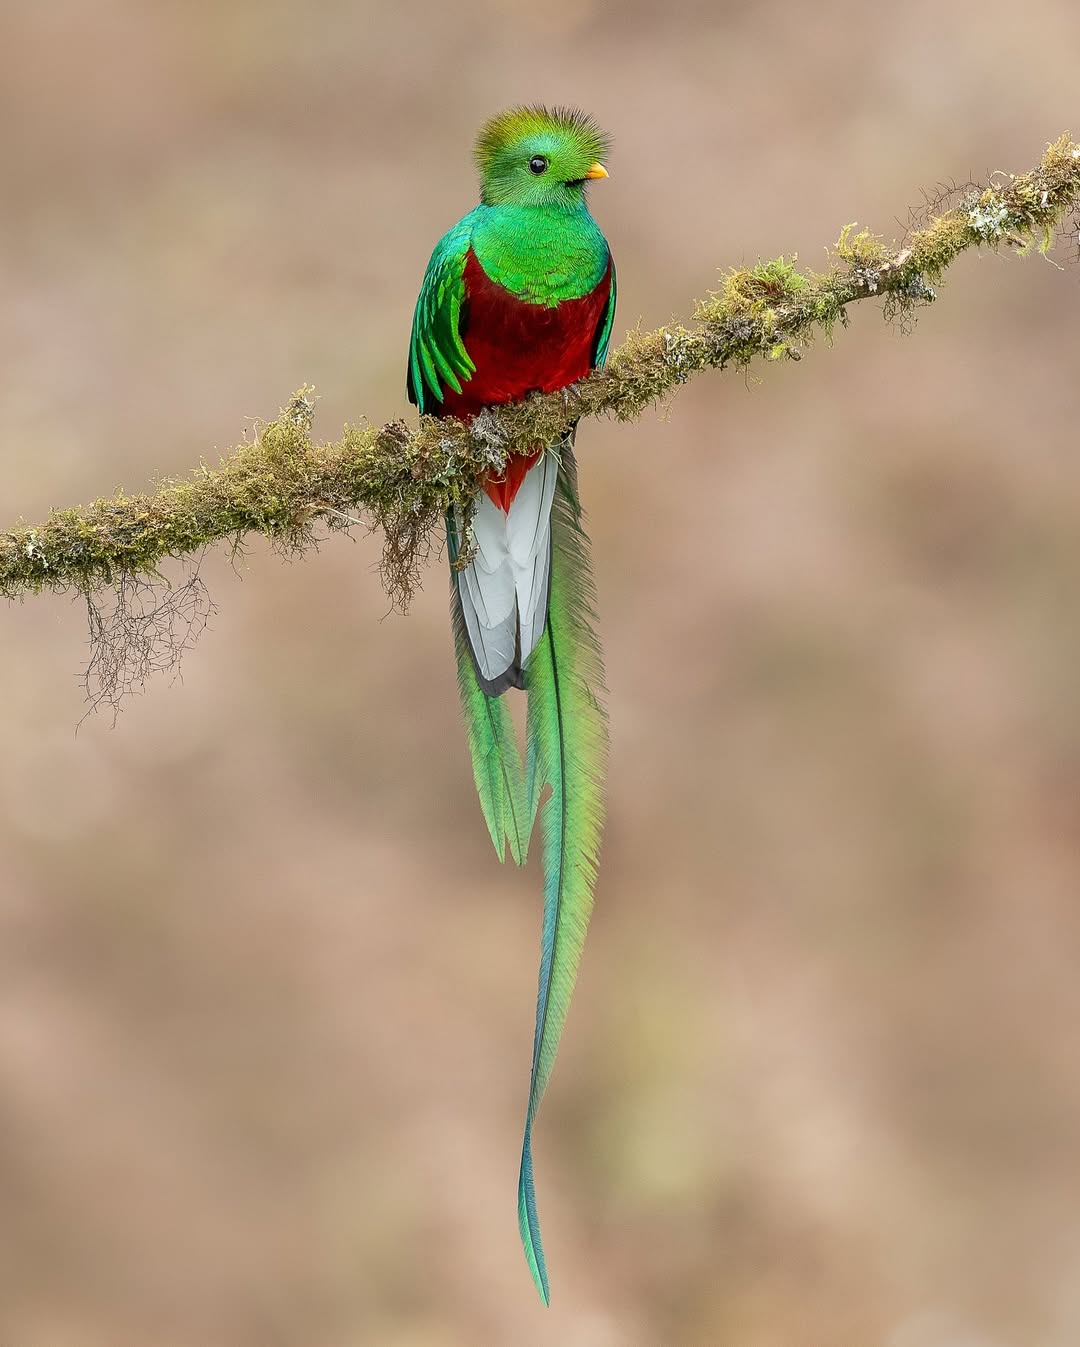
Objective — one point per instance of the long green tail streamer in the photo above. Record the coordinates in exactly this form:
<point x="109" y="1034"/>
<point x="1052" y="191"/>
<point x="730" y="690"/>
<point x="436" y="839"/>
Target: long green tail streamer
<point x="566" y="748"/>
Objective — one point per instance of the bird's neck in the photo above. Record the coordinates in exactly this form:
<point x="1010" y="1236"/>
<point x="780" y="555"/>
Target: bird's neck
<point x="541" y="254"/>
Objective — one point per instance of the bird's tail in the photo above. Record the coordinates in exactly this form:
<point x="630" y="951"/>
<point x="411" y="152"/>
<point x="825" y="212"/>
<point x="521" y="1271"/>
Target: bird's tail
<point x="566" y="748"/>
<point x="496" y="761"/>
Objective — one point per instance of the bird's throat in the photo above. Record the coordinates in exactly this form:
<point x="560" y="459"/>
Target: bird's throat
<point x="540" y="256"/>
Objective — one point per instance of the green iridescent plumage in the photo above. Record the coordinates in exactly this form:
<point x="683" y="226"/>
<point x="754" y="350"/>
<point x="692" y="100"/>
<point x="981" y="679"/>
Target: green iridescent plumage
<point x="437" y="355"/>
<point x="566" y="737"/>
<point x="568" y="138"/>
<point x="520" y="294"/>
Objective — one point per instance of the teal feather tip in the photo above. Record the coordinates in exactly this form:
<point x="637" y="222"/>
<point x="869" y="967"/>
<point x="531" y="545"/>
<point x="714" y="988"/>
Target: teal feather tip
<point x="529" y="1221"/>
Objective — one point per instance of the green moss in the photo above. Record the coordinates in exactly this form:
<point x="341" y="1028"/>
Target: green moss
<point x="752" y="290"/>
<point x="860" y="250"/>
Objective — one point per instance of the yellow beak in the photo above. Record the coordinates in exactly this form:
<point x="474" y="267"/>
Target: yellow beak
<point x="596" y="171"/>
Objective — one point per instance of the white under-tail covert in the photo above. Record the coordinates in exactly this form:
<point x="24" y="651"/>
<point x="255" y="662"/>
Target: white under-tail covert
<point x="503" y="591"/>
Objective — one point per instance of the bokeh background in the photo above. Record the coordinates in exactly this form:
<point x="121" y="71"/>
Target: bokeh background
<point x="266" y="997"/>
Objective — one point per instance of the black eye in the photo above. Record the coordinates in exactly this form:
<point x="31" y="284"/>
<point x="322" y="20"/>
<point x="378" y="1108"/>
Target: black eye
<point x="537" y="164"/>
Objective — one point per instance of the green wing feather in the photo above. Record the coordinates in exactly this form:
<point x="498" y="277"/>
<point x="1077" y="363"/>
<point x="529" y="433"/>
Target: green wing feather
<point x="500" y="781"/>
<point x="603" y="332"/>
<point x="437" y="355"/>
<point x="566" y="737"/>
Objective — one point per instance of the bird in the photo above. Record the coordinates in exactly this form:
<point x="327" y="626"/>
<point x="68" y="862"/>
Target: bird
<point x="518" y="298"/>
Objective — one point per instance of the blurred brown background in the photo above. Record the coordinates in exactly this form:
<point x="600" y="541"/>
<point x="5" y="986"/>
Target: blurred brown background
<point x="266" y="997"/>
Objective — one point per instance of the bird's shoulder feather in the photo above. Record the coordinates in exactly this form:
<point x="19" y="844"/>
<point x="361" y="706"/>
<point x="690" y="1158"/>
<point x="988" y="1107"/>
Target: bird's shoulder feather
<point x="437" y="356"/>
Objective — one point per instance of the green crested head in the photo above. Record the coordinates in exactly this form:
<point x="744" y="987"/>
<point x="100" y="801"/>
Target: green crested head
<point x="539" y="157"/>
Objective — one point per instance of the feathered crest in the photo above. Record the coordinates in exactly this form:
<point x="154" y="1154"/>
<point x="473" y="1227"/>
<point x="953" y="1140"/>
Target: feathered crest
<point x="519" y="124"/>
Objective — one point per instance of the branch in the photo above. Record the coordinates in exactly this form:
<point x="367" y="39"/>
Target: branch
<point x="284" y="485"/>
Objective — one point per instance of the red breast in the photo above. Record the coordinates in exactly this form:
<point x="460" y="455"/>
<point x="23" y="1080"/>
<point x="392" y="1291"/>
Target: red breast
<point x="520" y="348"/>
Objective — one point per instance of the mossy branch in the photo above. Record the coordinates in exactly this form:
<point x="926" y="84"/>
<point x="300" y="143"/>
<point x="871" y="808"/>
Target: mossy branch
<point x="286" y="486"/>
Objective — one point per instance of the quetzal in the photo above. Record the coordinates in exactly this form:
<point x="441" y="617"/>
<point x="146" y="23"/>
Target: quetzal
<point x="519" y="296"/>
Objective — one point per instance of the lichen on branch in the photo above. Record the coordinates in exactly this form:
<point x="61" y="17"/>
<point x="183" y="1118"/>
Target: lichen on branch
<point x="284" y="484"/>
